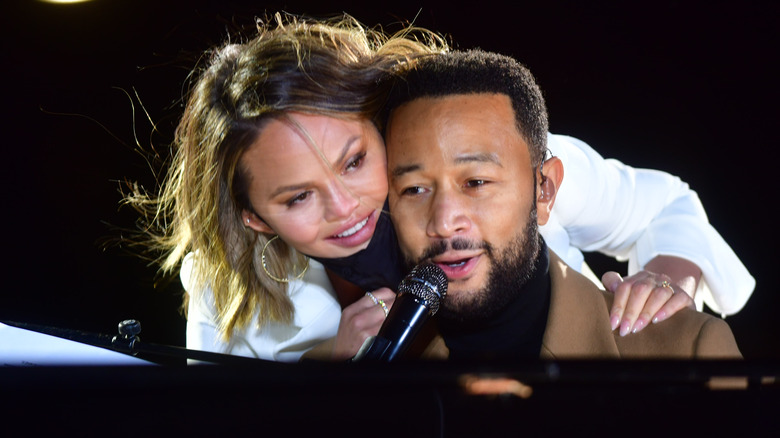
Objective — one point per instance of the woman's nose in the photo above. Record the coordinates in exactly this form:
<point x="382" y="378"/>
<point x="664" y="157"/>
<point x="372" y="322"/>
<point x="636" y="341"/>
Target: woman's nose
<point x="341" y="201"/>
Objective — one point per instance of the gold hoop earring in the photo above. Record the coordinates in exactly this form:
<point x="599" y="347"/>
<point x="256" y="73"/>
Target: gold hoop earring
<point x="273" y="277"/>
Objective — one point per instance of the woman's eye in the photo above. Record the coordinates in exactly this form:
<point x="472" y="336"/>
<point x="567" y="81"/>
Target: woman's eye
<point x="356" y="161"/>
<point x="298" y="199"/>
<point x="475" y="183"/>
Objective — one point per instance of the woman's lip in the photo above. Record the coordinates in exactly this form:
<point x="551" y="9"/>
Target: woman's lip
<point x="350" y="230"/>
<point x="465" y="266"/>
<point x="360" y="237"/>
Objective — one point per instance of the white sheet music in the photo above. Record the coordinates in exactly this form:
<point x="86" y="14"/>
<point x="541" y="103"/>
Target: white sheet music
<point x="19" y="347"/>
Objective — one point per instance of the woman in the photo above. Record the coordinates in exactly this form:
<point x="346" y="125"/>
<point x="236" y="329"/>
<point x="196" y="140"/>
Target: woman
<point x="278" y="156"/>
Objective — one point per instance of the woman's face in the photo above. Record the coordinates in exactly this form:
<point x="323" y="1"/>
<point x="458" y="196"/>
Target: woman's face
<point x="319" y="182"/>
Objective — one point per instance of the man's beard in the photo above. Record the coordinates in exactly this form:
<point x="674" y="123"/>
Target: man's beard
<point x="510" y="270"/>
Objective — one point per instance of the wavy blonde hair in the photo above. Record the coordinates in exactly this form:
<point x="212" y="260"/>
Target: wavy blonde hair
<point x="333" y="67"/>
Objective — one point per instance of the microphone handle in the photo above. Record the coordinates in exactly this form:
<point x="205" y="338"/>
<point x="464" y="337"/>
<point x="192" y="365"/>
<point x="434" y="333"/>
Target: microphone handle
<point x="408" y="315"/>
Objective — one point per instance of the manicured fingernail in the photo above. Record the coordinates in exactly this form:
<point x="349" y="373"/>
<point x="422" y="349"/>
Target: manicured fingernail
<point x="638" y="326"/>
<point x="614" y="322"/>
<point x="624" y="328"/>
<point x="660" y="316"/>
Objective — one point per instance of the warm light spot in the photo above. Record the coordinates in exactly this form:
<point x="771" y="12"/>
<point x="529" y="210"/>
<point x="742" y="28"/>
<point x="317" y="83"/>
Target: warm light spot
<point x="494" y="386"/>
<point x="64" y="2"/>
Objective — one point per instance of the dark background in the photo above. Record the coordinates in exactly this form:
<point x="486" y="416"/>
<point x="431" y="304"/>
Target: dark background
<point x="684" y="87"/>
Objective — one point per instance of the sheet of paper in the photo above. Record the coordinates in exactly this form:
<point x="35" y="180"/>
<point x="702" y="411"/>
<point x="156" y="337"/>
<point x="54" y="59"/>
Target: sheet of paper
<point x="19" y="347"/>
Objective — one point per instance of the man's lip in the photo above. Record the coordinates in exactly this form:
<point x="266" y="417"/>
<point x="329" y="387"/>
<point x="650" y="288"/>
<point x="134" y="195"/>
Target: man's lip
<point x="457" y="266"/>
<point x="453" y="257"/>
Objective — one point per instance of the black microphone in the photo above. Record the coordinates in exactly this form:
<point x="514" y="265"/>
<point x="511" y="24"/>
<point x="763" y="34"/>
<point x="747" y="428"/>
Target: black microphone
<point x="419" y="295"/>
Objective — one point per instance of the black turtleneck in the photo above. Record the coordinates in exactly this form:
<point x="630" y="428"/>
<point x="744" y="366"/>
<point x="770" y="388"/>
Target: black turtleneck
<point x="516" y="332"/>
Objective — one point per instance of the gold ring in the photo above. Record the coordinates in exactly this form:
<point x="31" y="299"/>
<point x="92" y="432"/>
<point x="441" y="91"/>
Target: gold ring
<point x="666" y="284"/>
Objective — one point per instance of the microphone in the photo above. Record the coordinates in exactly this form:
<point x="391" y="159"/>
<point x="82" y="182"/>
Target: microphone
<point x="419" y="295"/>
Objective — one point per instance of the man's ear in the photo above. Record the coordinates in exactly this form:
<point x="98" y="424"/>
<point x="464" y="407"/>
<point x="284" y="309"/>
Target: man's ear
<point x="254" y="222"/>
<point x="548" y="178"/>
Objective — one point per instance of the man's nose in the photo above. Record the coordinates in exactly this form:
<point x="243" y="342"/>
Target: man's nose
<point x="448" y="215"/>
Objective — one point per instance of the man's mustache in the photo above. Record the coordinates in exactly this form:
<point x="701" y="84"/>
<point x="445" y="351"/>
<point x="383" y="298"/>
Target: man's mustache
<point x="457" y="244"/>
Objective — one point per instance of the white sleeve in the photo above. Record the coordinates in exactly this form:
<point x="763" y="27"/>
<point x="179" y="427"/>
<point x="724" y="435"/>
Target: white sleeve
<point x="636" y="215"/>
<point x="317" y="315"/>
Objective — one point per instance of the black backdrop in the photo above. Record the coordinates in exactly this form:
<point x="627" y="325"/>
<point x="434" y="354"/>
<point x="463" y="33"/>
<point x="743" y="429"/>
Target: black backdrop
<point x="684" y="88"/>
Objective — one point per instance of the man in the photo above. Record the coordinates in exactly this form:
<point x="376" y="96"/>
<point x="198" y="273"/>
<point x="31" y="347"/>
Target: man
<point x="469" y="186"/>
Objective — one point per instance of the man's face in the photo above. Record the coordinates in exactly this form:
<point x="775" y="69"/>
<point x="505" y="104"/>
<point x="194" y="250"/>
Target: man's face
<point x="462" y="192"/>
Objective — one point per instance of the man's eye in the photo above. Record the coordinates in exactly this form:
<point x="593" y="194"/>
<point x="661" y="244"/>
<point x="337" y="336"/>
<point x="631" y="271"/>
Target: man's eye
<point x="411" y="191"/>
<point x="475" y="183"/>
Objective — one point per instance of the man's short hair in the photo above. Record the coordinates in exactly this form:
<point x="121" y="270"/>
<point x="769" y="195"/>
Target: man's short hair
<point x="477" y="71"/>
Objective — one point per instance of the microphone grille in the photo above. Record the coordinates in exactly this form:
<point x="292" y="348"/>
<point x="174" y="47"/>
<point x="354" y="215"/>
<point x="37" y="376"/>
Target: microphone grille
<point x="428" y="283"/>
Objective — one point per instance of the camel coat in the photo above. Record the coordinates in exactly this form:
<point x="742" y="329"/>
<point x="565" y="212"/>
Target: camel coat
<point x="578" y="328"/>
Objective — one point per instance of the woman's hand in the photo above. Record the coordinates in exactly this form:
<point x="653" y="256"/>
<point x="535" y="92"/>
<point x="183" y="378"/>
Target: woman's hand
<point x="642" y="298"/>
<point x="360" y="320"/>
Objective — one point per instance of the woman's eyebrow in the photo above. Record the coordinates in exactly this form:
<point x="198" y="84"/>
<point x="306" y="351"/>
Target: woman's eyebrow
<point x="295" y="187"/>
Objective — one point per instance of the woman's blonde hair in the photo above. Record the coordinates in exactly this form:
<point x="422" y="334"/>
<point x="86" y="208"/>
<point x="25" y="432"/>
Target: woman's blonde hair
<point x="331" y="67"/>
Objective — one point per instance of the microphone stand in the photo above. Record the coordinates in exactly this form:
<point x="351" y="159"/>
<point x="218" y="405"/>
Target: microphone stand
<point x="128" y="342"/>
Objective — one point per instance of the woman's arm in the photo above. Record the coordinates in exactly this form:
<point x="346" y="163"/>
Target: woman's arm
<point x="316" y="319"/>
<point x="639" y="215"/>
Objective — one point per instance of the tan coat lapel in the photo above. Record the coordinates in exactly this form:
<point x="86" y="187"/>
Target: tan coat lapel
<point x="578" y="321"/>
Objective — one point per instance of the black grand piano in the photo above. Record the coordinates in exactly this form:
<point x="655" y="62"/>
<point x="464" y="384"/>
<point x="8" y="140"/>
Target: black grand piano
<point x="179" y="392"/>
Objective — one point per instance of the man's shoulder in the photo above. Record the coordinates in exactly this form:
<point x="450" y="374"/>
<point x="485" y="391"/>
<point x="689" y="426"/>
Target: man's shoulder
<point x="686" y="334"/>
